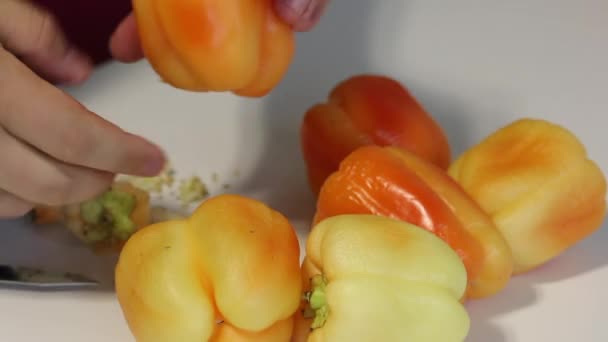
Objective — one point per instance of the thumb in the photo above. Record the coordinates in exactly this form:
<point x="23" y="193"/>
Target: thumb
<point x="33" y="35"/>
<point x="124" y="43"/>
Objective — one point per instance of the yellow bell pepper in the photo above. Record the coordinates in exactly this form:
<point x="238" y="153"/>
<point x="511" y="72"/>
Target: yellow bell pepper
<point x="371" y="278"/>
<point x="229" y="273"/>
<point x="537" y="182"/>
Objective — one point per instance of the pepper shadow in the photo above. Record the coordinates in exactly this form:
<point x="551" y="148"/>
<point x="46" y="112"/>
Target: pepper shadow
<point x="586" y="256"/>
<point x="484" y="331"/>
<point x="518" y="295"/>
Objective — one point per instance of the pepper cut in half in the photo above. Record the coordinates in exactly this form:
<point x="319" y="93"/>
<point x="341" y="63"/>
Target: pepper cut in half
<point x="370" y="278"/>
<point x="104" y="222"/>
<point x="368" y="110"/>
<point x="396" y="183"/>
<point x="208" y="45"/>
<point x="537" y="182"/>
<point x="228" y="273"/>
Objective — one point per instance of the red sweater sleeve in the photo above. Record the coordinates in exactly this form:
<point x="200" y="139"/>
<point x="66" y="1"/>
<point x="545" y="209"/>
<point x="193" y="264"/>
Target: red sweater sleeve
<point x="89" y="24"/>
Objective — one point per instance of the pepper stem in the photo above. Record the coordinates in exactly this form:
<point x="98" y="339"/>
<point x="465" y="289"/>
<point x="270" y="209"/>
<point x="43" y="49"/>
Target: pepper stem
<point x="317" y="302"/>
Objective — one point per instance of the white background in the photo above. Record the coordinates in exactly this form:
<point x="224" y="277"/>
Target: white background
<point x="475" y="65"/>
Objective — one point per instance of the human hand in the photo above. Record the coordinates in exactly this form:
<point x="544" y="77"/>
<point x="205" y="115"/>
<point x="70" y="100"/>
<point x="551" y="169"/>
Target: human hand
<point x="54" y="151"/>
<point x="302" y="15"/>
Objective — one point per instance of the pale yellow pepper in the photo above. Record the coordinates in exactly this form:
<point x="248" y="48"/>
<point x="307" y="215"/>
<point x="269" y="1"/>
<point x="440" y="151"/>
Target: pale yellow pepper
<point x="371" y="278"/>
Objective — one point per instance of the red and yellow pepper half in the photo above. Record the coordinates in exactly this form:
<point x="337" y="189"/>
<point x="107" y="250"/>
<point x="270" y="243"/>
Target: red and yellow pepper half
<point x="105" y="222"/>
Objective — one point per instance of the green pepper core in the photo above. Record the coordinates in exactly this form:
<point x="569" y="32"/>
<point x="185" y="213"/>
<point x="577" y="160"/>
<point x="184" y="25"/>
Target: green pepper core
<point x="317" y="302"/>
<point x="109" y="214"/>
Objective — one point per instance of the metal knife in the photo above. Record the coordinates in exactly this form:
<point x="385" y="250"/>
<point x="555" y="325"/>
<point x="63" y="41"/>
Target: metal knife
<point x="27" y="278"/>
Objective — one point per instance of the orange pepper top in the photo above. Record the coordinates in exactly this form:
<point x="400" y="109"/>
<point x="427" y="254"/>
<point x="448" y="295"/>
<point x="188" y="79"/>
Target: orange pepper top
<point x="364" y="110"/>
<point x="207" y="45"/>
<point x="396" y="183"/>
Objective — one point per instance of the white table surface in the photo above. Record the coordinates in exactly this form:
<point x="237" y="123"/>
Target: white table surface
<point x="475" y="65"/>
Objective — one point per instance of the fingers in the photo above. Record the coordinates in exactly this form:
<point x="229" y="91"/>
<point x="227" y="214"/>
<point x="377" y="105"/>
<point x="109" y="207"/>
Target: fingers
<point x="12" y="206"/>
<point x="124" y="44"/>
<point x="33" y="35"/>
<point x="36" y="178"/>
<point x="302" y="15"/>
<point x="46" y="118"/>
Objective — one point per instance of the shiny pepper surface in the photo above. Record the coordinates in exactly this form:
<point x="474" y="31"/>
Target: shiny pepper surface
<point x="368" y="110"/>
<point x="395" y="183"/>
<point x="537" y="182"/>
<point x="370" y="278"/>
<point x="208" y="45"/>
<point x="230" y="272"/>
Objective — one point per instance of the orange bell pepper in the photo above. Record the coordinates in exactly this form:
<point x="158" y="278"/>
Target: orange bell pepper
<point x="230" y="272"/>
<point x="537" y="182"/>
<point x="365" y="110"/>
<point x="203" y="45"/>
<point x="396" y="183"/>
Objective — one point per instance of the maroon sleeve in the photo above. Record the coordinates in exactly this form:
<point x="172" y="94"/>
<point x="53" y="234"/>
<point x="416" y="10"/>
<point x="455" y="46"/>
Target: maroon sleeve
<point x="89" y="24"/>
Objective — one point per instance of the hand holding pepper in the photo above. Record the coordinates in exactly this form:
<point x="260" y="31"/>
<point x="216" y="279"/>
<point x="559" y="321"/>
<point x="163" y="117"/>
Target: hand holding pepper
<point x="241" y="46"/>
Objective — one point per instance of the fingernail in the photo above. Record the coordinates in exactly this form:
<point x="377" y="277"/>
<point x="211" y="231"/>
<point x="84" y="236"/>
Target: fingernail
<point x="301" y="14"/>
<point x="153" y="166"/>
<point x="155" y="163"/>
<point x="78" y="66"/>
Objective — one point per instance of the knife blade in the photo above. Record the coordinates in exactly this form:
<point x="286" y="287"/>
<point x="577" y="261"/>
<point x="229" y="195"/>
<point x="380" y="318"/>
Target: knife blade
<point x="29" y="278"/>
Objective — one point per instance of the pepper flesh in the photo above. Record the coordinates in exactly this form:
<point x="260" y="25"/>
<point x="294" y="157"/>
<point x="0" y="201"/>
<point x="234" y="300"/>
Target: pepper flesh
<point x="234" y="260"/>
<point x="396" y="183"/>
<point x="365" y="110"/>
<point x="382" y="280"/>
<point x="207" y="45"/>
<point x="536" y="181"/>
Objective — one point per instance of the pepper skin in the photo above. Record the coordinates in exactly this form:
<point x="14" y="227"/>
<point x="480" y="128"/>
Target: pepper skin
<point x="207" y="45"/>
<point x="366" y="110"/>
<point x="536" y="181"/>
<point x="396" y="183"/>
<point x="370" y="278"/>
<point x="228" y="273"/>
